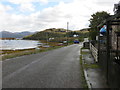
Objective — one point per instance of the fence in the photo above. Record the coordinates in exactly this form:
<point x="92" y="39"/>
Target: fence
<point x="111" y="67"/>
<point x="94" y="52"/>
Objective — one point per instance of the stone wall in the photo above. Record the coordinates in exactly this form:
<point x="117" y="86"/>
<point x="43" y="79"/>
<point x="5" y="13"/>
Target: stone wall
<point x="114" y="34"/>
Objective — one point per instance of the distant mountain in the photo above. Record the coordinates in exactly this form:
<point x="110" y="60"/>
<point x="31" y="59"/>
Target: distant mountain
<point x="25" y="33"/>
<point x="6" y="34"/>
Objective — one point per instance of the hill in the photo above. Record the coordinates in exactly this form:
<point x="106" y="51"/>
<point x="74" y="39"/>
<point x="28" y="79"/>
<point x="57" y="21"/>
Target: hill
<point x="6" y="34"/>
<point x="59" y="30"/>
<point x="48" y="33"/>
<point x="56" y="35"/>
<point x="85" y="30"/>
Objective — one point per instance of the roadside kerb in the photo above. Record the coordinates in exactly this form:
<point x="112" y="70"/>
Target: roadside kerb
<point x="86" y="75"/>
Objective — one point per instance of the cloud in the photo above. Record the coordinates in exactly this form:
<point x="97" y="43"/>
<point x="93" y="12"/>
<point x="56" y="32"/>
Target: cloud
<point x="58" y="16"/>
<point x="4" y="8"/>
<point x="77" y="13"/>
<point x="26" y="1"/>
<point x="27" y="7"/>
<point x="43" y="1"/>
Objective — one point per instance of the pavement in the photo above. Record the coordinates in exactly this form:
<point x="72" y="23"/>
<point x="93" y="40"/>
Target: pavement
<point x="93" y="74"/>
<point x="58" y="68"/>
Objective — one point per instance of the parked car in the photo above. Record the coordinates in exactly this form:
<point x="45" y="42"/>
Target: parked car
<point x="76" y="42"/>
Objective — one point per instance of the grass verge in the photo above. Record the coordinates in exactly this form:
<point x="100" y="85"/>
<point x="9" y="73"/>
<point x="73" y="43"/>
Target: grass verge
<point x="92" y="66"/>
<point x="14" y="54"/>
<point x="84" y="83"/>
<point x="86" y="64"/>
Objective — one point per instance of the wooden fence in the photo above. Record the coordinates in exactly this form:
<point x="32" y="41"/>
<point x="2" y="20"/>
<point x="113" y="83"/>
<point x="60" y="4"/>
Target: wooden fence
<point x="94" y="52"/>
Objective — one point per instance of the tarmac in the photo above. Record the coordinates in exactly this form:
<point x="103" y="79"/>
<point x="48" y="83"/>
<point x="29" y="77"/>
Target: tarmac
<point x="93" y="74"/>
<point x="59" y="68"/>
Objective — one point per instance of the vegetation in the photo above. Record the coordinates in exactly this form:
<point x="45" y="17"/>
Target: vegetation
<point x="91" y="66"/>
<point x="53" y="37"/>
<point x="43" y="36"/>
<point x="95" y="20"/>
<point x="17" y="53"/>
<point x="58" y="35"/>
<point x="84" y="83"/>
<point x="85" y="65"/>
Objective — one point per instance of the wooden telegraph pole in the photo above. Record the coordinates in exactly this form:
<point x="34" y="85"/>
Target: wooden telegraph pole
<point x="67" y="32"/>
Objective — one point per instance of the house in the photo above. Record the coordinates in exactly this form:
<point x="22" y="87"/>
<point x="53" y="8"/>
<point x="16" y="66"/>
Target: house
<point x="115" y="33"/>
<point x="115" y="39"/>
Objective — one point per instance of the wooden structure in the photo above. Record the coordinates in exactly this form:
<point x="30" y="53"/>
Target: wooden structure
<point x="94" y="52"/>
<point x="109" y="52"/>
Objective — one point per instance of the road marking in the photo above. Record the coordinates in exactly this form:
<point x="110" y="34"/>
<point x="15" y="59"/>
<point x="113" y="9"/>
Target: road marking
<point x="21" y="69"/>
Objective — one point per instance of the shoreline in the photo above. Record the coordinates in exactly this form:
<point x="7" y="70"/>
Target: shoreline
<point x="19" y="53"/>
<point x="7" y="54"/>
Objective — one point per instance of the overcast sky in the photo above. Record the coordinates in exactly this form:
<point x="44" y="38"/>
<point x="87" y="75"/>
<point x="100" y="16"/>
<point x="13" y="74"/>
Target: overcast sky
<point x="37" y="15"/>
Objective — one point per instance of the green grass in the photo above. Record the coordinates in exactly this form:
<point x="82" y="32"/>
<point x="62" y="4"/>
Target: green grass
<point x="27" y="52"/>
<point x="83" y="80"/>
<point x="89" y="65"/>
<point x="83" y="53"/>
<point x="85" y="48"/>
<point x="12" y="55"/>
<point x="86" y="66"/>
<point x="92" y="66"/>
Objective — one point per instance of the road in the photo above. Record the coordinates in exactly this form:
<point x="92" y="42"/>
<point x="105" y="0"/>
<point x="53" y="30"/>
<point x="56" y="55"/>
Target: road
<point x="58" y="68"/>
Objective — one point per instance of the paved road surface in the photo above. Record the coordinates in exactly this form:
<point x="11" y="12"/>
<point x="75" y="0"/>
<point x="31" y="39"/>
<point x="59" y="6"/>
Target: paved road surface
<point x="58" y="68"/>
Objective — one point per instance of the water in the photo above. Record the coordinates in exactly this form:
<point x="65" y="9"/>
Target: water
<point x="18" y="44"/>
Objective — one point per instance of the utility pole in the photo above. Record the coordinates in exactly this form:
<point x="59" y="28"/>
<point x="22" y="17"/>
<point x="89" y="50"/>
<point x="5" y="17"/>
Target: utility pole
<point x="47" y="38"/>
<point x="67" y="32"/>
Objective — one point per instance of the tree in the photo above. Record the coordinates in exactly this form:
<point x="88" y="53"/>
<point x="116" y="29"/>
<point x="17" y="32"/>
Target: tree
<point x="95" y="20"/>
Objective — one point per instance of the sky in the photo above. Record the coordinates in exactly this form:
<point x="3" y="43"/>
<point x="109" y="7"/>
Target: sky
<point x="38" y="15"/>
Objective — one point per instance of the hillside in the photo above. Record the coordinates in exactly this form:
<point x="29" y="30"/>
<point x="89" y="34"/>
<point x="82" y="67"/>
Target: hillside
<point x="85" y="30"/>
<point x="56" y="35"/>
<point x="6" y="34"/>
<point x="59" y="30"/>
<point x="48" y="33"/>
